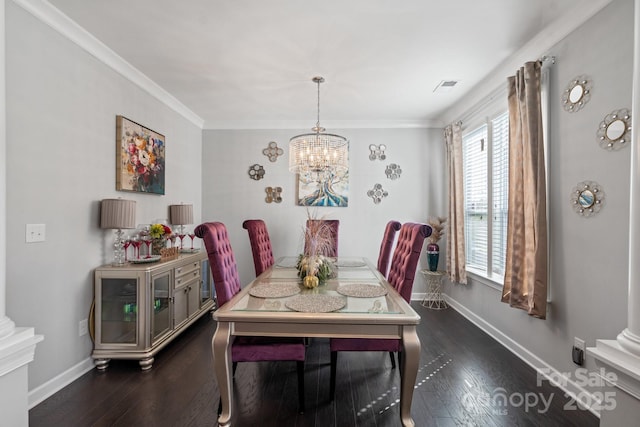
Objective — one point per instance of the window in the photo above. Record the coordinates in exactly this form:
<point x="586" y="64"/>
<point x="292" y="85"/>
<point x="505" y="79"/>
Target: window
<point x="485" y="154"/>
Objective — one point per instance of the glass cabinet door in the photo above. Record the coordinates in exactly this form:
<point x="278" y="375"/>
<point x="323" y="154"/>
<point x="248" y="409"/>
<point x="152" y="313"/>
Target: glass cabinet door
<point x="119" y="302"/>
<point x="160" y="305"/>
<point x="207" y="291"/>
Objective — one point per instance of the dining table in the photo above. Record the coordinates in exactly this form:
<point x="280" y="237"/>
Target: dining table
<point x="356" y="302"/>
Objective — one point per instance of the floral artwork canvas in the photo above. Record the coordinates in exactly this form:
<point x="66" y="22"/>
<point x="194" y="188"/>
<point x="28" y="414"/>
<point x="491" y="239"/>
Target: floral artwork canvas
<point x="140" y="158"/>
<point x="323" y="189"/>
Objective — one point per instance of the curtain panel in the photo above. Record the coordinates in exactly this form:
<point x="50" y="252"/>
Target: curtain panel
<point x="525" y="280"/>
<point x="456" y="264"/>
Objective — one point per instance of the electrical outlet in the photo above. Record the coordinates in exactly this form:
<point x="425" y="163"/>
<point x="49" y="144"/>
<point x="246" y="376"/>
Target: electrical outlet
<point x="577" y="352"/>
<point x="35" y="233"/>
<point x="83" y="327"/>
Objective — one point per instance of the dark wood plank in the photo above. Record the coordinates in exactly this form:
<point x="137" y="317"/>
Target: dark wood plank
<point x="459" y="363"/>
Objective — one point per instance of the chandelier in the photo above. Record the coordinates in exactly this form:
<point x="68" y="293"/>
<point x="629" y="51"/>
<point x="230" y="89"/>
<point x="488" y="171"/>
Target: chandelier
<point x="318" y="152"/>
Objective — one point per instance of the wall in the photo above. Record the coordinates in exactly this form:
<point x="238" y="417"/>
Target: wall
<point x="61" y="109"/>
<point x="588" y="257"/>
<point x="230" y="196"/>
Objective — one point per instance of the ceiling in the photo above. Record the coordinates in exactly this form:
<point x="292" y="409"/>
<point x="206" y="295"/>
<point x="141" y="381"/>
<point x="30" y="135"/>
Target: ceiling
<point x="249" y="63"/>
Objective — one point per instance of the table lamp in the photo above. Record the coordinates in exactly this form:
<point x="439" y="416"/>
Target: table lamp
<point x="117" y="214"/>
<point x="181" y="215"/>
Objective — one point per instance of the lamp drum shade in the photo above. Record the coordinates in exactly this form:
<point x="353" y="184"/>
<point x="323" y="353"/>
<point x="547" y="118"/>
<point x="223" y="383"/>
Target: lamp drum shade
<point x="118" y="213"/>
<point x="181" y="214"/>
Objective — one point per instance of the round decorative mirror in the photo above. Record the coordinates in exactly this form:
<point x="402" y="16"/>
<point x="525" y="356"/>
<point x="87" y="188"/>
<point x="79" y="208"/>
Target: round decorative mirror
<point x="614" y="131"/>
<point x="577" y="94"/>
<point x="587" y="198"/>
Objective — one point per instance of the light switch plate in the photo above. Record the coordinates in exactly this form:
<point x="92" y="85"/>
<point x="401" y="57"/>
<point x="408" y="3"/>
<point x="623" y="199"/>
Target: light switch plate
<point x="35" y="233"/>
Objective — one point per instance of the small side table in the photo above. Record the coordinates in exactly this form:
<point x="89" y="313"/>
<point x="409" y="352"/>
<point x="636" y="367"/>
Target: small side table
<point x="433" y="297"/>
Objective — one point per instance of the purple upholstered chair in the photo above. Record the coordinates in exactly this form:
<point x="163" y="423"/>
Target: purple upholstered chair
<point x="260" y="244"/>
<point x="227" y="284"/>
<point x="330" y="226"/>
<point x="401" y="276"/>
<point x="387" y="244"/>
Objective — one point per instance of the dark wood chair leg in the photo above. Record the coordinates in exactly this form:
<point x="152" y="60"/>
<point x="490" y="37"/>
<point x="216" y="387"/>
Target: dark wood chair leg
<point x="393" y="360"/>
<point x="300" y="369"/>
<point x="332" y="380"/>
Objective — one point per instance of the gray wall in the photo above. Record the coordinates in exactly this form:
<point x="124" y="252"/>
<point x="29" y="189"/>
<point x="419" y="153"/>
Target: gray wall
<point x="588" y="257"/>
<point x="230" y="196"/>
<point x="61" y="109"/>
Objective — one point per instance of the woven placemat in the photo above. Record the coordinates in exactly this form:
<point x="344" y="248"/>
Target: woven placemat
<point x="315" y="303"/>
<point x="273" y="290"/>
<point x="361" y="290"/>
<point x="350" y="263"/>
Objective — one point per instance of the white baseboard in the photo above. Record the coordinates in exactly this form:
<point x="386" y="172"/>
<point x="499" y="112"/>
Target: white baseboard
<point x="59" y="382"/>
<point x="570" y="387"/>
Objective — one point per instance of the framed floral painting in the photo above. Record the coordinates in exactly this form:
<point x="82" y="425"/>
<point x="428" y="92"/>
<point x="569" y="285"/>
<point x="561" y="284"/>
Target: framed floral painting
<point x="140" y="158"/>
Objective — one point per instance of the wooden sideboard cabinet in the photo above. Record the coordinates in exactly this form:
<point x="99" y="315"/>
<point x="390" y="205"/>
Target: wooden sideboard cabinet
<point x="140" y="308"/>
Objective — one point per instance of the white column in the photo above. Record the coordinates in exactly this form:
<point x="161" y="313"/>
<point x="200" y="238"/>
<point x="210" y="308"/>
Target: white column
<point x="17" y="345"/>
<point x="629" y="338"/>
<point x="620" y="358"/>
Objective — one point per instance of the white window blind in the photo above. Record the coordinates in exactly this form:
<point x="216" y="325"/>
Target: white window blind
<point x="500" y="191"/>
<point x="486" y="190"/>
<point x="474" y="166"/>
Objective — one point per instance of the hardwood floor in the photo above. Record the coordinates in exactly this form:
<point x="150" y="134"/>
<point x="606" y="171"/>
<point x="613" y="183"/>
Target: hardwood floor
<point x="463" y="374"/>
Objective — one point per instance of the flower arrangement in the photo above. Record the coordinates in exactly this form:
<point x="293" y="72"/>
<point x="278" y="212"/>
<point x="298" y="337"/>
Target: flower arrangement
<point x="437" y="226"/>
<point x="159" y="234"/>
<point x="159" y="231"/>
<point x="313" y="266"/>
<point x="318" y="266"/>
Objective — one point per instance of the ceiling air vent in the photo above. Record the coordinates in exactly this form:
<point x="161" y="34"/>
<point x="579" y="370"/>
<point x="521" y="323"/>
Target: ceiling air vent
<point x="445" y="85"/>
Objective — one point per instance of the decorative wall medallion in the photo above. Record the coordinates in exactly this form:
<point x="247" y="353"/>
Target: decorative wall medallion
<point x="377" y="152"/>
<point x="587" y="198"/>
<point x="256" y="172"/>
<point x="273" y="151"/>
<point x="614" y="131"/>
<point x="577" y="93"/>
<point x="274" y="194"/>
<point x="377" y="193"/>
<point x="393" y="171"/>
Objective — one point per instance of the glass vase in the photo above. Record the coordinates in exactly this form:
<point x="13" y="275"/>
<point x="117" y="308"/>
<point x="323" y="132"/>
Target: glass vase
<point x="433" y="255"/>
<point x="158" y="244"/>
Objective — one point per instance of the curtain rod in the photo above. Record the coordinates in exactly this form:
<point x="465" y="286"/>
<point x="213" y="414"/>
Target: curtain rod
<point x="548" y="58"/>
<point x="498" y="91"/>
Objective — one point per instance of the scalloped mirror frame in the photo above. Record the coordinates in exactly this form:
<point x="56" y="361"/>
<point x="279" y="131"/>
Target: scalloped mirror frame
<point x="614" y="131"/>
<point x="577" y="94"/>
<point x="587" y="198"/>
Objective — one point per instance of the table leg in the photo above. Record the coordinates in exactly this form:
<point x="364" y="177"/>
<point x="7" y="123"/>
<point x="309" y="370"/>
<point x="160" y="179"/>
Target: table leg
<point x="221" y="346"/>
<point x="410" y="361"/>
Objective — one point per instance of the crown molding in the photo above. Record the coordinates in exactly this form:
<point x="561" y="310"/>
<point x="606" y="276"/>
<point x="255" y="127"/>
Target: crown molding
<point x="54" y="18"/>
<point x="329" y="124"/>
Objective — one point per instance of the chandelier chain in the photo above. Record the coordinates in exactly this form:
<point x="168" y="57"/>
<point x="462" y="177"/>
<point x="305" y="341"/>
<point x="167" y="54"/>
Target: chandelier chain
<point x="318" y="122"/>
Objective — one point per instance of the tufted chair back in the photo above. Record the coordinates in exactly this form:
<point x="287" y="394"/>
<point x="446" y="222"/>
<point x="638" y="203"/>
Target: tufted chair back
<point x="260" y="244"/>
<point x="387" y="244"/>
<point x="405" y="257"/>
<point x="221" y="259"/>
